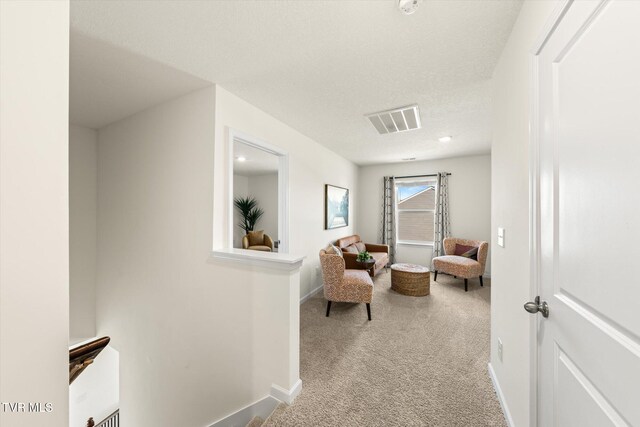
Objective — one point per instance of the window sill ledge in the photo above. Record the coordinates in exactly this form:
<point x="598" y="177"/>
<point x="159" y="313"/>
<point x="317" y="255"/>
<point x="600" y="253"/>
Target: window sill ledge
<point x="272" y="260"/>
<point x="415" y="244"/>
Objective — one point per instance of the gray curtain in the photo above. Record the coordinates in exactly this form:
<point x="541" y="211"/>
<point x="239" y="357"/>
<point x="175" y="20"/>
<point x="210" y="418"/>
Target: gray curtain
<point x="389" y="216"/>
<point x="441" y="216"/>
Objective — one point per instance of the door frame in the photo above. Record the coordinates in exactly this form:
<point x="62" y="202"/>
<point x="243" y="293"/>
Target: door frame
<point x="534" y="194"/>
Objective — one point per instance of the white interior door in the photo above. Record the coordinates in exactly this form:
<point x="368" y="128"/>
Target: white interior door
<point x="589" y="206"/>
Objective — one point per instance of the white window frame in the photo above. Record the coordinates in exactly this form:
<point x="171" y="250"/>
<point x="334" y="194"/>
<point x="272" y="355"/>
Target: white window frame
<point x="428" y="182"/>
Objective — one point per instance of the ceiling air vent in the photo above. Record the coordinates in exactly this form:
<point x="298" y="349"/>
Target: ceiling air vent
<point x="396" y="120"/>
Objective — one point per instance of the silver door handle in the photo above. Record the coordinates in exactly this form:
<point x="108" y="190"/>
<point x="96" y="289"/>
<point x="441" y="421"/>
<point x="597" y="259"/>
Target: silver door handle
<point x="537" y="307"/>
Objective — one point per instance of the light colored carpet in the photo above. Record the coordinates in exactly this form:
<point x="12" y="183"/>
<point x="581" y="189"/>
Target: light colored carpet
<point x="421" y="361"/>
<point x="276" y="412"/>
<point x="255" y="422"/>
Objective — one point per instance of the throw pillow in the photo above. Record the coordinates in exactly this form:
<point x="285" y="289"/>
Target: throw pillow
<point x="334" y="250"/>
<point x="361" y="246"/>
<point x="256" y="238"/>
<point x="351" y="249"/>
<point x="470" y="252"/>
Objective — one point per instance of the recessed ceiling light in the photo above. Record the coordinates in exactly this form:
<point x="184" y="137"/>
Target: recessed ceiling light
<point x="444" y="139"/>
<point x="407" y="6"/>
<point x="241" y="158"/>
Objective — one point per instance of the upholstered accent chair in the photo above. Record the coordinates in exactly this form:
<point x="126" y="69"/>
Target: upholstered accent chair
<point x="352" y="245"/>
<point x="257" y="241"/>
<point x="344" y="285"/>
<point x="461" y="266"/>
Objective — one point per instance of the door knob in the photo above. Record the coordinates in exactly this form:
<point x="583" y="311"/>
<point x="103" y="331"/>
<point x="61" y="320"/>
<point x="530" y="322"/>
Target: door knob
<point x="537" y="306"/>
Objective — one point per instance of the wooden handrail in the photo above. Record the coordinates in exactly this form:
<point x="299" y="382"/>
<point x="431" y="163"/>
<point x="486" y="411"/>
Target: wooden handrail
<point x="82" y="356"/>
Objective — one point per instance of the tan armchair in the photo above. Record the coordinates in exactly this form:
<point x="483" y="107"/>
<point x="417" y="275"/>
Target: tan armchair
<point x="460" y="266"/>
<point x="257" y="241"/>
<point x="380" y="253"/>
<point x="343" y="285"/>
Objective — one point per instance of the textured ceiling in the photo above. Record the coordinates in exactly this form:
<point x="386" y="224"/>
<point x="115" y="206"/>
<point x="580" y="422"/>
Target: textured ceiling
<point x="319" y="66"/>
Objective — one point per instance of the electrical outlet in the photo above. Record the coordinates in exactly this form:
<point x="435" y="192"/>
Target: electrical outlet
<point x="500" y="349"/>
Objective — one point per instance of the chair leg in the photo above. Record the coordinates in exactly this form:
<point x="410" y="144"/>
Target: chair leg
<point x="369" y="311"/>
<point x="466" y="289"/>
<point x="435" y="277"/>
<point x="328" y="307"/>
<point x="481" y="283"/>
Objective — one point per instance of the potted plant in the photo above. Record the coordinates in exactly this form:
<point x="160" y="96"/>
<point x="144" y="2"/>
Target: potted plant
<point x="250" y="212"/>
<point x="363" y="256"/>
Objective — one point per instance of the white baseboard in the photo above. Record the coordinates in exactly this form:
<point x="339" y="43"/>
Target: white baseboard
<point x="501" y="399"/>
<point x="261" y="408"/>
<point x="310" y="294"/>
<point x="286" y="396"/>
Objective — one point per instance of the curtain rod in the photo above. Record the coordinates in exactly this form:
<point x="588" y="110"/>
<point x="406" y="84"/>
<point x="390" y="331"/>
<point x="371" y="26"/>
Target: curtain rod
<point x="420" y="176"/>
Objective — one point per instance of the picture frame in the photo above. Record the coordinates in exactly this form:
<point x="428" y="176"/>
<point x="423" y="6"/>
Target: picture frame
<point x="336" y="207"/>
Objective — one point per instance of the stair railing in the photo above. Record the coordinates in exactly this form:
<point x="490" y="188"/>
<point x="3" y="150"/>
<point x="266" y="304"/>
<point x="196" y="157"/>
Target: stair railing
<point x="112" y="420"/>
<point x="82" y="356"/>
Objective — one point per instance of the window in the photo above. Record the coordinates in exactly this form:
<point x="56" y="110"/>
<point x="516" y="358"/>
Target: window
<point x="415" y="206"/>
<point x="250" y="158"/>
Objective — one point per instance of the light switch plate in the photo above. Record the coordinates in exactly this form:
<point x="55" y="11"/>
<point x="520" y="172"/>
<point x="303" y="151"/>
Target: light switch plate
<point x="501" y="237"/>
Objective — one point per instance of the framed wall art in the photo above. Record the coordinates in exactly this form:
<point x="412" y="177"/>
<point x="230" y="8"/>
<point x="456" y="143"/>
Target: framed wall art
<point x="336" y="202"/>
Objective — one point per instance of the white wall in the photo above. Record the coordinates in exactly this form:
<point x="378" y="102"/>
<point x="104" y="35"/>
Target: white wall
<point x="510" y="286"/>
<point x="95" y="393"/>
<point x="311" y="167"/>
<point x="469" y="201"/>
<point x="34" y="209"/>
<point x="198" y="339"/>
<point x="265" y="189"/>
<point x="83" y="205"/>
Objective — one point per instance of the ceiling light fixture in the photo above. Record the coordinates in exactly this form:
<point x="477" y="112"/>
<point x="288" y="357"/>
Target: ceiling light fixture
<point x="396" y="120"/>
<point x="444" y="139"/>
<point x="407" y="6"/>
<point x="241" y="158"/>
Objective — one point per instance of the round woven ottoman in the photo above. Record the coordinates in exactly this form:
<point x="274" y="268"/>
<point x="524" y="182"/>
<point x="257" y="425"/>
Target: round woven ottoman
<point x="410" y="279"/>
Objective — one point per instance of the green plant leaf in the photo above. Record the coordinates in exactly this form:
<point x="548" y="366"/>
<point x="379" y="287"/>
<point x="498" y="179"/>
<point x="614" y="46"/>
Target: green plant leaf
<point x="363" y="256"/>
<point x="250" y="212"/>
<point x="254" y="215"/>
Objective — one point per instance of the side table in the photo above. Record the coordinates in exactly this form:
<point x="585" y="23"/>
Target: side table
<point x="410" y="279"/>
<point x="367" y="265"/>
